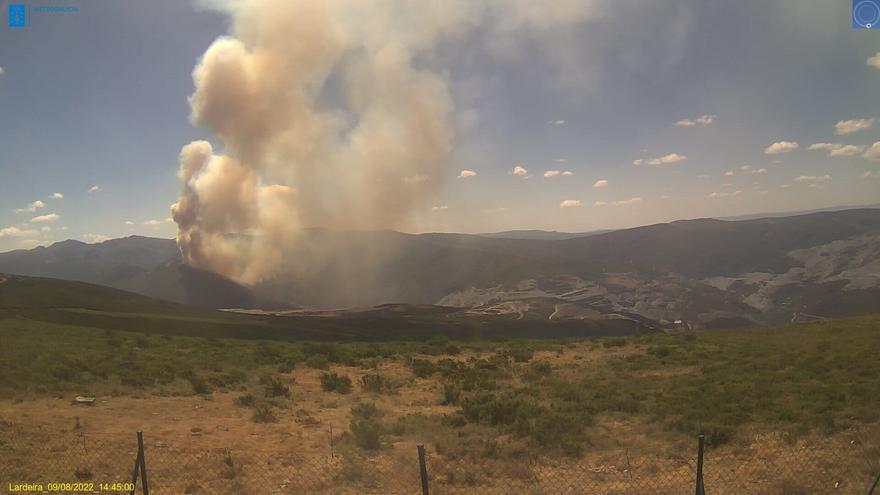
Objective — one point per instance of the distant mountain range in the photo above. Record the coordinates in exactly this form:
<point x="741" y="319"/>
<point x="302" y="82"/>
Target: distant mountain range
<point x="707" y="273"/>
<point x="541" y="235"/>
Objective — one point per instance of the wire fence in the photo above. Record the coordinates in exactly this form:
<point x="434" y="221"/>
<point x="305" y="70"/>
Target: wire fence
<point x="93" y="463"/>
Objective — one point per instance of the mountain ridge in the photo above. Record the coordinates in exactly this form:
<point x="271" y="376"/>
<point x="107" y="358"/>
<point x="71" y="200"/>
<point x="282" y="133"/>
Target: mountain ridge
<point x="701" y="270"/>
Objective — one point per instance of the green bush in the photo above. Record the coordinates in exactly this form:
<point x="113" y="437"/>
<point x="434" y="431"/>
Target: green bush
<point x="365" y="426"/>
<point x="332" y="382"/>
<point x="264" y="414"/>
<point x="422" y="368"/>
<point x="614" y="342"/>
<point x="522" y="354"/>
<point x="366" y="433"/>
<point x="318" y="362"/>
<point x="451" y="394"/>
<point x="456" y="420"/>
<point x="274" y="387"/>
<point x="245" y="400"/>
<point x="199" y="385"/>
<point x="287" y="366"/>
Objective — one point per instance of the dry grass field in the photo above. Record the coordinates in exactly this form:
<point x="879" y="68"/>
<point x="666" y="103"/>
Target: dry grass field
<point x="786" y="410"/>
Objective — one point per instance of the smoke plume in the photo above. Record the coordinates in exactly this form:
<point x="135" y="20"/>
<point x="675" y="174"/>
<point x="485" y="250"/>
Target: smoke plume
<point x="328" y="116"/>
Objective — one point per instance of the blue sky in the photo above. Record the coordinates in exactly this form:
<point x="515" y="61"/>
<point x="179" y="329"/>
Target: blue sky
<point x="98" y="97"/>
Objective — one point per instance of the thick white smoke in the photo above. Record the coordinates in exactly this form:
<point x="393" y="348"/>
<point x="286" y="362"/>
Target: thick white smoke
<point x="328" y="116"/>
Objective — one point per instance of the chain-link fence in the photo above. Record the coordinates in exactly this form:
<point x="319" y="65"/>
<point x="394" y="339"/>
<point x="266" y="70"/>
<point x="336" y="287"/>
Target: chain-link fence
<point x="94" y="463"/>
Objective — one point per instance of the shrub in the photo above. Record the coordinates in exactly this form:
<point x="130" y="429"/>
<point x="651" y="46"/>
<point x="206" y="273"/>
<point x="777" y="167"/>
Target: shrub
<point x="365" y="426"/>
<point x="366" y="410"/>
<point x="267" y="353"/>
<point x="660" y="351"/>
<point x="274" y="387"/>
<point x="451" y="394"/>
<point x="245" y="400"/>
<point x="199" y="385"/>
<point x="264" y="414"/>
<point x="422" y="368"/>
<point x="376" y="384"/>
<point x="318" y="362"/>
<point x="287" y="366"/>
<point x="614" y="342"/>
<point x="521" y="354"/>
<point x="456" y="420"/>
<point x="537" y="370"/>
<point x="332" y="382"/>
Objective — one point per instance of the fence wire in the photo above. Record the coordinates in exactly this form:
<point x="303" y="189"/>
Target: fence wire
<point x="832" y="466"/>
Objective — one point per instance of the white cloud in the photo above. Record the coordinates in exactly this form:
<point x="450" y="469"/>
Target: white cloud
<point x="64" y="228"/>
<point x="2" y="71"/>
<point x="729" y="173"/>
<point x="94" y="188"/>
<point x="51" y="217"/>
<point x="571" y="203"/>
<point x="551" y="173"/>
<point x="169" y="220"/>
<point x="784" y="186"/>
<point x="46" y="229"/>
<point x="622" y="202"/>
<point x="745" y="168"/>
<point x="781" y="147"/>
<point x="152" y="223"/>
<point x="556" y="122"/>
<point x="873" y="153"/>
<point x="758" y="171"/>
<point x="16" y="232"/>
<point x="847" y="150"/>
<point x="875" y="61"/>
<point x="439" y="208"/>
<point x="703" y="176"/>
<point x="731" y="194"/>
<point x="36" y="205"/>
<point x="812" y="179"/>
<point x="701" y="120"/>
<point x="415" y="179"/>
<point x="499" y="209"/>
<point x="129" y="223"/>
<point x="94" y="238"/>
<point x="517" y="170"/>
<point x="600" y="184"/>
<point x="559" y="160"/>
<point x="567" y="173"/>
<point x="56" y="196"/>
<point x="464" y="174"/>
<point x="852" y="126"/>
<point x="663" y="160"/>
<point x="871" y="175"/>
<point x="837" y="150"/>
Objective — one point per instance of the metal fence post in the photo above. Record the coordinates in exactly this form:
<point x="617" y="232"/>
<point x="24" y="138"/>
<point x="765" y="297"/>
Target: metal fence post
<point x="423" y="469"/>
<point x="701" y="442"/>
<point x="135" y="473"/>
<point x="143" y="463"/>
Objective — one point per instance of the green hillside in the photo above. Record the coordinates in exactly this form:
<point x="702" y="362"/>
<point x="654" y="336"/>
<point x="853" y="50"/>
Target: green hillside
<point x="799" y="378"/>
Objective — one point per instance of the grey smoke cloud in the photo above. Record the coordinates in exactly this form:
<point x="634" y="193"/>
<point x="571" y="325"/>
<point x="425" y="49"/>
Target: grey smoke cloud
<point x="327" y="113"/>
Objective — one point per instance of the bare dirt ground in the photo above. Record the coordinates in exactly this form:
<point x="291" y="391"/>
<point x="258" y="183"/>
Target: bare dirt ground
<point x="208" y="444"/>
